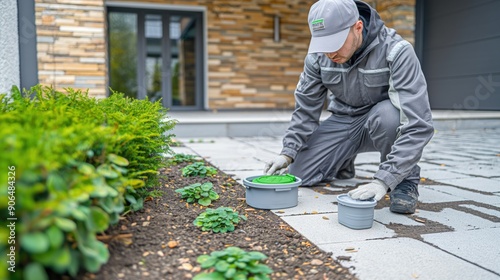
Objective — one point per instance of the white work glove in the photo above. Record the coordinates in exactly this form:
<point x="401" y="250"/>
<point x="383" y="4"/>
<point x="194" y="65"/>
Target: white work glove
<point x="376" y="189"/>
<point x="277" y="165"/>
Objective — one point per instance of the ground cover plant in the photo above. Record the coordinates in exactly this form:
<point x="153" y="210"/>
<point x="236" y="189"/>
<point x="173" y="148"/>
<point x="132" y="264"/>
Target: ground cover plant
<point x="222" y="219"/>
<point x="233" y="263"/>
<point x="76" y="164"/>
<point x="198" y="169"/>
<point x="201" y="193"/>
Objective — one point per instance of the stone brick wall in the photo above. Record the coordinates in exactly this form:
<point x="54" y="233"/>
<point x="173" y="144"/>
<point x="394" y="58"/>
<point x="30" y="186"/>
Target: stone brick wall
<point x="398" y="14"/>
<point x="71" y="44"/>
<point x="246" y="67"/>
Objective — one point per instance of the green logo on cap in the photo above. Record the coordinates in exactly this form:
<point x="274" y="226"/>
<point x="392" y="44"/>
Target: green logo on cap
<point x="318" y="24"/>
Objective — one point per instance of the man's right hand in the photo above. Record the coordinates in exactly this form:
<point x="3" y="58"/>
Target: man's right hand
<point x="277" y="165"/>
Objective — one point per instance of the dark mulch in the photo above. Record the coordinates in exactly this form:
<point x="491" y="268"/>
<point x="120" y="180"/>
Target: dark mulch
<point x="161" y="242"/>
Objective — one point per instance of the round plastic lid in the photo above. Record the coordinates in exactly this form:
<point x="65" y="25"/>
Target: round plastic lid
<point x="348" y="201"/>
<point x="275" y="179"/>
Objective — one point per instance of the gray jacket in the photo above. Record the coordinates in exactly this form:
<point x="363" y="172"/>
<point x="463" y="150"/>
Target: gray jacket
<point x="385" y="68"/>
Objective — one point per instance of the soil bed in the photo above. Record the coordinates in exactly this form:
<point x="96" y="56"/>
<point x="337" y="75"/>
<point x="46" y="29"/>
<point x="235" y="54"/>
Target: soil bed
<point x="161" y="242"/>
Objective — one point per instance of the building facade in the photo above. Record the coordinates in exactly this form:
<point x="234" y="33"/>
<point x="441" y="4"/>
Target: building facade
<point x="195" y="54"/>
<point x="231" y="55"/>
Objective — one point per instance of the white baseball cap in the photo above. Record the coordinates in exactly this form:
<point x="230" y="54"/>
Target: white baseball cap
<point x="329" y="22"/>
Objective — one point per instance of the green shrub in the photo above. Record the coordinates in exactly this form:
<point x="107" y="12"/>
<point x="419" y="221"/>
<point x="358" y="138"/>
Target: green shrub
<point x="233" y="263"/>
<point x="79" y="163"/>
<point x="222" y="219"/>
<point x="198" y="169"/>
<point x="202" y="193"/>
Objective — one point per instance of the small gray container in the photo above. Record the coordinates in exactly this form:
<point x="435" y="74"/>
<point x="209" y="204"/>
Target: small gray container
<point x="271" y="196"/>
<point x="356" y="214"/>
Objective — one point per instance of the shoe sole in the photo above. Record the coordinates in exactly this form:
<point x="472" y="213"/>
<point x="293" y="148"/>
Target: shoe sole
<point x="402" y="206"/>
<point x="401" y="209"/>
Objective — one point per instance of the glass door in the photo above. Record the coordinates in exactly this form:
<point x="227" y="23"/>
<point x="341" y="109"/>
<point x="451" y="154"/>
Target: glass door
<point x="157" y="55"/>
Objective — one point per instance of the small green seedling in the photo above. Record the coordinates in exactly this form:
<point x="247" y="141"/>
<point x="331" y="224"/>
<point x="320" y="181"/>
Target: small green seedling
<point x="222" y="219"/>
<point x="202" y="193"/>
<point x="198" y="169"/>
<point x="180" y="158"/>
<point x="233" y="263"/>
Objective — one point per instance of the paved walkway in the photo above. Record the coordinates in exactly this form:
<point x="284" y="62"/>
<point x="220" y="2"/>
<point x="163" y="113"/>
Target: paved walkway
<point x="455" y="233"/>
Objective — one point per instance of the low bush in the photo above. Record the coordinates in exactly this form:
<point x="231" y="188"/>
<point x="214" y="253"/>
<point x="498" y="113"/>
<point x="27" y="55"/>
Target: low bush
<point x="78" y="163"/>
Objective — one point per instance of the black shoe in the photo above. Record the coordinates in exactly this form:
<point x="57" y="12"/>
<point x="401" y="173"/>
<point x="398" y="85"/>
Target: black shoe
<point x="347" y="171"/>
<point x="404" y="198"/>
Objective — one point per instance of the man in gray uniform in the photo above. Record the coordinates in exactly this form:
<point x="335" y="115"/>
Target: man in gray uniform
<point x="378" y="100"/>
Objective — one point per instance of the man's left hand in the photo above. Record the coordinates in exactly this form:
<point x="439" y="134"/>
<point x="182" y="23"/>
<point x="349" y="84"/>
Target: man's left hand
<point x="376" y="189"/>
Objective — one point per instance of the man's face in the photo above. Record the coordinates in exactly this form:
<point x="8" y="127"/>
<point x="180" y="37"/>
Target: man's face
<point x="351" y="44"/>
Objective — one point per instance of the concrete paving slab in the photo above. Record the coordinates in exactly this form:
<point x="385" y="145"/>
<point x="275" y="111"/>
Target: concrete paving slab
<point x="458" y="220"/>
<point x="466" y="194"/>
<point x="370" y="157"/>
<point x="385" y="216"/>
<point x="441" y="174"/>
<point x="480" y="247"/>
<point x="182" y="150"/>
<point x="310" y="202"/>
<point x="443" y="162"/>
<point x="364" y="174"/>
<point x="439" y="156"/>
<point x="238" y="175"/>
<point x="335" y="189"/>
<point x="429" y="195"/>
<point x="484" y="210"/>
<point x="488" y="169"/>
<point x="367" y="167"/>
<point x="402" y="259"/>
<point x="325" y="229"/>
<point x="479" y="184"/>
<point x="430" y="166"/>
<point x="349" y="182"/>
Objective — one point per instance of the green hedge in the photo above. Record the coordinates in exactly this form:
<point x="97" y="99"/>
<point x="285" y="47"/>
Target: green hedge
<point x="76" y="163"/>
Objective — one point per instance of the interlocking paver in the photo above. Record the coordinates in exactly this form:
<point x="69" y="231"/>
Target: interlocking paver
<point x="485" y="253"/>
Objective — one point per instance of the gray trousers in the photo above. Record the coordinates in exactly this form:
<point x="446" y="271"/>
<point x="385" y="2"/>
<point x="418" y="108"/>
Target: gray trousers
<point x="340" y="138"/>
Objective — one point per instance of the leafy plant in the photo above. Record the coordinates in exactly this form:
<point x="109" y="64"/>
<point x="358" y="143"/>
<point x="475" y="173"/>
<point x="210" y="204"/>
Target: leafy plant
<point x="180" y="158"/>
<point x="233" y="263"/>
<point x="202" y="193"/>
<point x="198" y="169"/>
<point x="222" y="219"/>
<point x="78" y="163"/>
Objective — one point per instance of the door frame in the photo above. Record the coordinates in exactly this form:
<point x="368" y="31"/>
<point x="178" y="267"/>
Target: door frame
<point x="201" y="72"/>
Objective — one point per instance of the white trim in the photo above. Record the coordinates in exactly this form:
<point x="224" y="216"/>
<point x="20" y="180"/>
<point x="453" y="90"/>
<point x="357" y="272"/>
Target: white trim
<point x="394" y="97"/>
<point x="374" y="71"/>
<point x="335" y="69"/>
<point x="187" y="8"/>
<point x="396" y="49"/>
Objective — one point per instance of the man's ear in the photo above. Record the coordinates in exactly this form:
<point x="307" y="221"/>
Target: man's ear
<point x="358" y="26"/>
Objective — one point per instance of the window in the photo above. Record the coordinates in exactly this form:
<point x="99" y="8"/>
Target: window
<point x="158" y="55"/>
